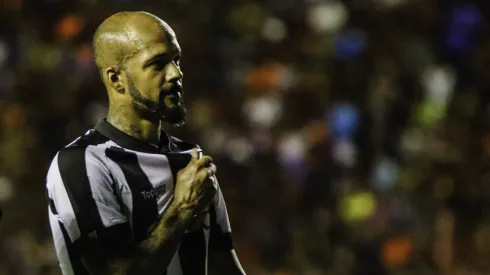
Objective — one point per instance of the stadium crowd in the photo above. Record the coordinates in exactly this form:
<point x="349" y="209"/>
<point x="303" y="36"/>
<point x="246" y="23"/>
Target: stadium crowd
<point x="351" y="137"/>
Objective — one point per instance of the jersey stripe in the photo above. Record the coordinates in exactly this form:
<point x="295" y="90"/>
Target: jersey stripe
<point x="75" y="259"/>
<point x="58" y="193"/>
<point x="192" y="253"/>
<point x="145" y="211"/>
<point x="73" y="170"/>
<point x="217" y="237"/>
<point x="60" y="241"/>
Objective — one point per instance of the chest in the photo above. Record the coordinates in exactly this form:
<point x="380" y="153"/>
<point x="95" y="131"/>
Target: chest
<point x="144" y="182"/>
<point x="145" y="185"/>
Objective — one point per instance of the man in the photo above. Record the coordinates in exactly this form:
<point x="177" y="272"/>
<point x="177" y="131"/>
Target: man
<point x="125" y="198"/>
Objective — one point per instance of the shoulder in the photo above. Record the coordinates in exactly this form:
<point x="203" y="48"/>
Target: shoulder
<point x="181" y="145"/>
<point x="84" y="156"/>
<point x="88" y="149"/>
<point x="90" y="138"/>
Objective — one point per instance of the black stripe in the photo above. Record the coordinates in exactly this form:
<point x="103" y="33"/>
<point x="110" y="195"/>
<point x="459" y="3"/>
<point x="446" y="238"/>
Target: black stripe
<point x="75" y="259"/>
<point x="192" y="253"/>
<point x="217" y="238"/>
<point x="73" y="171"/>
<point x="122" y="207"/>
<point x="51" y="203"/>
<point x="116" y="237"/>
<point x="111" y="239"/>
<point x="213" y="214"/>
<point x="145" y="210"/>
<point x="177" y="161"/>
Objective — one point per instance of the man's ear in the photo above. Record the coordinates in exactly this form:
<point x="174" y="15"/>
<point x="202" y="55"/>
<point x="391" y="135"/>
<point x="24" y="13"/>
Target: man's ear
<point x="114" y="79"/>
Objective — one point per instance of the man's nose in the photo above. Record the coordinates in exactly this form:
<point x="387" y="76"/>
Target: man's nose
<point x="173" y="73"/>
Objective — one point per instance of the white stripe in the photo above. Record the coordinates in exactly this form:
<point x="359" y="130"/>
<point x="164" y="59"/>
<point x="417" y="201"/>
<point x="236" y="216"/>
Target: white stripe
<point x="60" y="245"/>
<point x="73" y="142"/>
<point x="207" y="223"/>
<point x="157" y="169"/>
<point x="110" y="143"/>
<point x="57" y="192"/>
<point x="174" y="268"/>
<point x="221" y="213"/>
<point x="100" y="184"/>
<point x="122" y="189"/>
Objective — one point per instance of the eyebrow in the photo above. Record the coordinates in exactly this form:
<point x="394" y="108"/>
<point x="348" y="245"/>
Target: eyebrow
<point x="158" y="56"/>
<point x="161" y="56"/>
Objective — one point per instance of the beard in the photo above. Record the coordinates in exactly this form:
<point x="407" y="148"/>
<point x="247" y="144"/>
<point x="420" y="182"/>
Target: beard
<point x="158" y="111"/>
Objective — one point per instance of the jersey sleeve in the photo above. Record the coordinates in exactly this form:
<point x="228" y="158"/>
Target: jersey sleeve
<point x="82" y="202"/>
<point x="220" y="235"/>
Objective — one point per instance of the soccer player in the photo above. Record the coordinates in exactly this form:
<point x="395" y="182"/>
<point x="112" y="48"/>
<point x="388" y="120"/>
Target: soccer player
<point x="126" y="198"/>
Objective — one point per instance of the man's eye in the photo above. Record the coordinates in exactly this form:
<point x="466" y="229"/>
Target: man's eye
<point x="158" y="65"/>
<point x="177" y="60"/>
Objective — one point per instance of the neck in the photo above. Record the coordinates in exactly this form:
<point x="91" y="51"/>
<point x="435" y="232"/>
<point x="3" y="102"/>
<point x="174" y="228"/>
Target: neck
<point x="129" y="122"/>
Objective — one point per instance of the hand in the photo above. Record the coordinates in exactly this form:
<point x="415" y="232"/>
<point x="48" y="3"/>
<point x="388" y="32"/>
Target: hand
<point x="195" y="185"/>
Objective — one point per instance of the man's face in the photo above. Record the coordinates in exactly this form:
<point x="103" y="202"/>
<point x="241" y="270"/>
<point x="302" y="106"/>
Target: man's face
<point x="154" y="80"/>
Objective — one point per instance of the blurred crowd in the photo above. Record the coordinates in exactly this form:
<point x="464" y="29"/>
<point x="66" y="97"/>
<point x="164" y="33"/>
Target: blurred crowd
<point x="351" y="137"/>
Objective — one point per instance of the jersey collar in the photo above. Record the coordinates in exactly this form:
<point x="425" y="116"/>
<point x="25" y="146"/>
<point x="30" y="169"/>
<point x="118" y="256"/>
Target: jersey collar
<point x="128" y="142"/>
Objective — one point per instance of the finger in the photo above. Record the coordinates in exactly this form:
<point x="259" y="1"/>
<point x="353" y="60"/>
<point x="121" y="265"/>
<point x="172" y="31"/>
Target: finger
<point x="213" y="169"/>
<point x="203" y="174"/>
<point x="195" y="155"/>
<point x="212" y="176"/>
<point x="206" y="173"/>
<point x="204" y="161"/>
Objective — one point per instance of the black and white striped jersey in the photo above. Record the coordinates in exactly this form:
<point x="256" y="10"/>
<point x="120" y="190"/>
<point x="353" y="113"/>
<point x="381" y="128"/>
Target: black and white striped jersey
<point x="112" y="188"/>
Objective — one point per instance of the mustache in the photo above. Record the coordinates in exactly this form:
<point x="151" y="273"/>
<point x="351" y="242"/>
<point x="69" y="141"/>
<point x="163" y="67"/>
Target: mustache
<point x="174" y="89"/>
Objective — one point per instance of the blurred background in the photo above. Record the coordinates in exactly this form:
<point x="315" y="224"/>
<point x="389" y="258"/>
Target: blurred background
<point x="352" y="137"/>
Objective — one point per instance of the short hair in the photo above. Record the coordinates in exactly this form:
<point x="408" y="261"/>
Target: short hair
<point x="116" y="38"/>
<point x="109" y="41"/>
